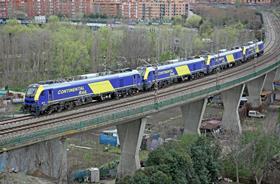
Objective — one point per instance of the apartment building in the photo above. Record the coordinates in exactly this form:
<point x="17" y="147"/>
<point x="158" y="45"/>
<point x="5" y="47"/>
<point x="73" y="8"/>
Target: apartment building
<point x="4" y="8"/>
<point x="107" y="7"/>
<point x="257" y="1"/>
<point x="240" y="1"/>
<point x="152" y="9"/>
<point x="31" y="8"/>
<point x="132" y="9"/>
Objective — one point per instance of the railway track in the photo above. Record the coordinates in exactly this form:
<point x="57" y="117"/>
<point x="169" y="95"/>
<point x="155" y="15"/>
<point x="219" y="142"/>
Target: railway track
<point x="14" y="127"/>
<point x="14" y="120"/>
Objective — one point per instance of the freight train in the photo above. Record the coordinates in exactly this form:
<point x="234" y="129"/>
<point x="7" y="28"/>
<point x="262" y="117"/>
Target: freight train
<point x="54" y="96"/>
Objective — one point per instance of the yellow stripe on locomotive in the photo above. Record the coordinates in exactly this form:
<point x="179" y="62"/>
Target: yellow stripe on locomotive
<point x="257" y="49"/>
<point x="101" y="87"/>
<point x="183" y="70"/>
<point x="230" y="58"/>
<point x="208" y="60"/>
<point x="38" y="92"/>
<point x="146" y="74"/>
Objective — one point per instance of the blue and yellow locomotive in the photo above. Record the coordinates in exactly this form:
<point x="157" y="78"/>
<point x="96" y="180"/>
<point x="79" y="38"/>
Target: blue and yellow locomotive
<point x="175" y="71"/>
<point x="252" y="49"/>
<point x="48" y="97"/>
<point x="223" y="59"/>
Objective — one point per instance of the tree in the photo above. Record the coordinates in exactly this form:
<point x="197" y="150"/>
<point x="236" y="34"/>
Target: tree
<point x="192" y="160"/>
<point x="206" y="29"/>
<point x="71" y="52"/>
<point x="53" y="19"/>
<point x="149" y="175"/>
<point x="178" y="20"/>
<point x="251" y="154"/>
<point x="194" y="21"/>
<point x="160" y="176"/>
<point x="174" y="161"/>
<point x="13" y="22"/>
<point x="140" y="178"/>
<point x="235" y="152"/>
<point x="205" y="154"/>
<point x="263" y="147"/>
<point x="237" y="3"/>
<point x="167" y="56"/>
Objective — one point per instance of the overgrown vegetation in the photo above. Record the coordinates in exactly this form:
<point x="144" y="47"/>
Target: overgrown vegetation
<point x="249" y="157"/>
<point x="229" y="16"/>
<point x="191" y="160"/>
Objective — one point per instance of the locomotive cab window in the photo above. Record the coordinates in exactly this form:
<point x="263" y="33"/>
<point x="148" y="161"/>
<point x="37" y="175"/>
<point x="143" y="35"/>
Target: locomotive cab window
<point x="142" y="72"/>
<point x="31" y="91"/>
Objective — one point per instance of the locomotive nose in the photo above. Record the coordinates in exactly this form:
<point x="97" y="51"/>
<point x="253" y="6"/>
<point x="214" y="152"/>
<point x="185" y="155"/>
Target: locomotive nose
<point x="29" y="104"/>
<point x="29" y="100"/>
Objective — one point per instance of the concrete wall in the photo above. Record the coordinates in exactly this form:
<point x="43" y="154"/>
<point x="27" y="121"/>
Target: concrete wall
<point x="48" y="157"/>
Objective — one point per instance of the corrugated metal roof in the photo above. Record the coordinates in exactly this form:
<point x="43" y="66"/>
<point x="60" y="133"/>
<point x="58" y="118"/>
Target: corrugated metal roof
<point x="211" y="124"/>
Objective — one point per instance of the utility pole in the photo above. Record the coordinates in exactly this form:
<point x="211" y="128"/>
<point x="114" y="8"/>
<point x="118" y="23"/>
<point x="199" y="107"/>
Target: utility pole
<point x="105" y="63"/>
<point x="217" y="59"/>
<point x="156" y="84"/>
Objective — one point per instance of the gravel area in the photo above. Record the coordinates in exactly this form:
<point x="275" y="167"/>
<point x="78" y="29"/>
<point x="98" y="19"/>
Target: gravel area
<point x="20" y="178"/>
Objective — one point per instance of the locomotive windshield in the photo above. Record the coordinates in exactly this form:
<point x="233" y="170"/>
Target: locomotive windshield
<point x="141" y="71"/>
<point x="31" y="91"/>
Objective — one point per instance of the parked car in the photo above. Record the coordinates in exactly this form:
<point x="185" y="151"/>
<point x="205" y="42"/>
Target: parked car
<point x="243" y="101"/>
<point x="255" y="114"/>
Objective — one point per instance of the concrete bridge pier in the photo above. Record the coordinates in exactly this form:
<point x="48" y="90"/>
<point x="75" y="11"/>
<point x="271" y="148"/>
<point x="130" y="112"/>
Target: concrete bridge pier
<point x="254" y="89"/>
<point x="192" y="115"/>
<point x="231" y="101"/>
<point x="49" y="158"/>
<point x="268" y="84"/>
<point x="130" y="137"/>
<point x="277" y="74"/>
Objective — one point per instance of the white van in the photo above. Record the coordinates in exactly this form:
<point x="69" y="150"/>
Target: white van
<point x="255" y="114"/>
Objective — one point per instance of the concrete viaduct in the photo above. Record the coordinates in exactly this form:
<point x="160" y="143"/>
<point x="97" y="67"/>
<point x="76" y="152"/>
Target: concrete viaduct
<point x="45" y="149"/>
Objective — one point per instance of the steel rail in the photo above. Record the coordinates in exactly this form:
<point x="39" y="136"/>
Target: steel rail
<point x="15" y="119"/>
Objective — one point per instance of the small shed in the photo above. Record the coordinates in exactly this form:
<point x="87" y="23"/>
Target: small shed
<point x="211" y="126"/>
